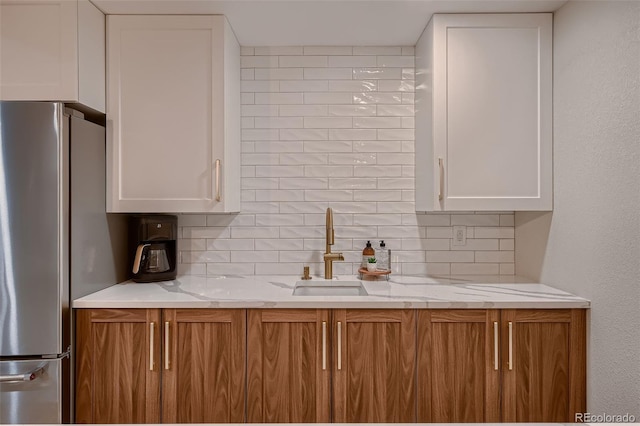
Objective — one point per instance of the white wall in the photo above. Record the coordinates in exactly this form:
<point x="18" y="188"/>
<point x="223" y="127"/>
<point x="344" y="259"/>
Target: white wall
<point x="590" y="244"/>
<point x="334" y="127"/>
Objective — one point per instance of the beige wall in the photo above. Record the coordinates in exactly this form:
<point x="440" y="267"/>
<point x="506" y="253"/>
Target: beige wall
<point x="590" y="244"/>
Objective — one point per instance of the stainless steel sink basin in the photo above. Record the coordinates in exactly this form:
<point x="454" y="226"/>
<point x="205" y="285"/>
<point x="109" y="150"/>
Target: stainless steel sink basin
<point x="329" y="288"/>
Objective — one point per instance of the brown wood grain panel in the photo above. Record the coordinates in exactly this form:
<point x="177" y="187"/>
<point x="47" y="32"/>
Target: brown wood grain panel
<point x="543" y="315"/>
<point x="578" y="364"/>
<point x="288" y="315"/>
<point x="116" y="383"/>
<point x="377" y="380"/>
<point x="205" y="379"/>
<point x="457" y="381"/>
<point x="84" y="370"/>
<point x="286" y="383"/>
<point x="539" y="387"/>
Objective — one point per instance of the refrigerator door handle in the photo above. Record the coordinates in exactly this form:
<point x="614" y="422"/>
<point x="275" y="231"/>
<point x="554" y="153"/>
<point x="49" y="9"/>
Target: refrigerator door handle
<point x="24" y="377"/>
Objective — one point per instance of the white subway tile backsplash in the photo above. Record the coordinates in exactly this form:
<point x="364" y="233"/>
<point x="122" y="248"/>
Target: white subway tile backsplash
<point x="328" y="122"/>
<point x="352" y="110"/>
<point x="303" y="61"/>
<point x="377" y="146"/>
<point x="278" y="74"/>
<point x="396" y="61"/>
<point x="377" y="171"/>
<point x="303" y="110"/>
<point x="278" y="122"/>
<point x="259" y="86"/>
<point x="304" y="86"/>
<point x="352" y="183"/>
<point x="377" y="98"/>
<point x="395" y="110"/>
<point x="279" y="98"/>
<point x="353" y="85"/>
<point x="351" y="134"/>
<point x="306" y="158"/>
<point x="377" y="122"/>
<point x="334" y="127"/>
<point x="352" y="61"/>
<point x="373" y="50"/>
<point x="303" y="134"/>
<point x="279" y="171"/>
<point x="353" y="159"/>
<point x="377" y="73"/>
<point x="304" y="183"/>
<point x="258" y="62"/>
<point x="328" y="195"/>
<point x="328" y="50"/>
<point x="280" y="195"/>
<point x="279" y="244"/>
<point x="278" y="50"/>
<point x="396" y="86"/>
<point x="376" y="195"/>
<point x="328" y="146"/>
<point x="327" y="73"/>
<point x="327" y="98"/>
<point x="395" y="134"/>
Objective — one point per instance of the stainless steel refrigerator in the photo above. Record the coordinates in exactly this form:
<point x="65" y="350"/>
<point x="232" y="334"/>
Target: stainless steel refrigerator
<point x="56" y="244"/>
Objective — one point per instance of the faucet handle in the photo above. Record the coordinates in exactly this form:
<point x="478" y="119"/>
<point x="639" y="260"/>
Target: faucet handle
<point x="306" y="275"/>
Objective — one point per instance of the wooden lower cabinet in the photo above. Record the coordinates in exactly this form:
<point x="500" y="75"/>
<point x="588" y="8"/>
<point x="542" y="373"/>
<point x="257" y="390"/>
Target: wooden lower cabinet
<point x="320" y="365"/>
<point x="297" y="359"/>
<point x="508" y="365"/>
<point x="152" y="365"/>
<point x="544" y="379"/>
<point x="458" y="380"/>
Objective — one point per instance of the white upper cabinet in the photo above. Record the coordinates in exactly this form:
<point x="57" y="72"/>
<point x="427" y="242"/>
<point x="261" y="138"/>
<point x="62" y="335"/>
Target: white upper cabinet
<point x="483" y="113"/>
<point x="173" y="114"/>
<point x="52" y="51"/>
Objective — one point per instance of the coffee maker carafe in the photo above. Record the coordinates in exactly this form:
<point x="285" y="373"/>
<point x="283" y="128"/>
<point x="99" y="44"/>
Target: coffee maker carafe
<point x="153" y="248"/>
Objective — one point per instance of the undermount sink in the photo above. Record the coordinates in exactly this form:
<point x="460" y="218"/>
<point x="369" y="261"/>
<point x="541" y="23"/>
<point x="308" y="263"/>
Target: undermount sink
<point x="329" y="288"/>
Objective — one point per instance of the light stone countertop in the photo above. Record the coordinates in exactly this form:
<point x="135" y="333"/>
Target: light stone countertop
<point x="276" y="292"/>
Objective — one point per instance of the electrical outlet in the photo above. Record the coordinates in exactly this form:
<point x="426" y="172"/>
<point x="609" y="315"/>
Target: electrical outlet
<point x="460" y="235"/>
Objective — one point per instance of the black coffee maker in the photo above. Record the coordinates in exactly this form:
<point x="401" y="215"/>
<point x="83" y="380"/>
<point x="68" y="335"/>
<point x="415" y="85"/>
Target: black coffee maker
<point x="153" y="247"/>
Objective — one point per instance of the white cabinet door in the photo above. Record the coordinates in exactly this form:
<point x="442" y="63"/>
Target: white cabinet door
<point x="483" y="113"/>
<point x="52" y="50"/>
<point x="173" y="114"/>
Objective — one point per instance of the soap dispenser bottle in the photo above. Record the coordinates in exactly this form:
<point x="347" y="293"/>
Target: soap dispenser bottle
<point x="384" y="257"/>
<point x="367" y="253"/>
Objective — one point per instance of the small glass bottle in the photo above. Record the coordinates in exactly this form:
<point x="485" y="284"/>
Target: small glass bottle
<point x="384" y="257"/>
<point x="367" y="253"/>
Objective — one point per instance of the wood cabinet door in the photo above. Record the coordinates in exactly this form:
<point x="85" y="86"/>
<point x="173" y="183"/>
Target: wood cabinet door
<point x="543" y="363"/>
<point x="203" y="365"/>
<point x="458" y="366"/>
<point x="374" y="366"/>
<point x="288" y="366"/>
<point x="117" y="366"/>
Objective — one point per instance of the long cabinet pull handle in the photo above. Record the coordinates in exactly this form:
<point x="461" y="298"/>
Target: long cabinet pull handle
<point x="24" y="377"/>
<point x="441" y="179"/>
<point x="339" y="345"/>
<point x="167" y="346"/>
<point x="324" y="345"/>
<point x="152" y="326"/>
<point x="218" y="197"/>
<point x="510" y="345"/>
<point x="495" y="345"/>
